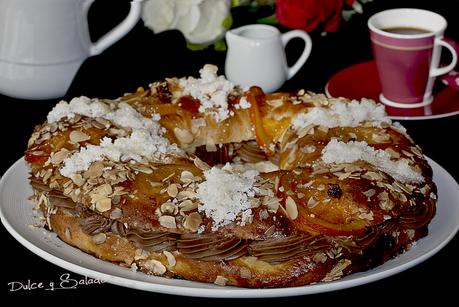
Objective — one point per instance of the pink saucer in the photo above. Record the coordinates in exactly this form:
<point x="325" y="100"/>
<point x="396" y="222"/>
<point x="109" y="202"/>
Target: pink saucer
<point x="362" y="81"/>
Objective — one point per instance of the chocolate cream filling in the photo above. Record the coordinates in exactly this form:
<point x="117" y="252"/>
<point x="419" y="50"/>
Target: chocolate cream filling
<point x="217" y="247"/>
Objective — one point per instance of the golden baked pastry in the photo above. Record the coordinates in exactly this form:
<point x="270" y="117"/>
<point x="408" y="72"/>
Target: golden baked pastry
<point x="198" y="179"/>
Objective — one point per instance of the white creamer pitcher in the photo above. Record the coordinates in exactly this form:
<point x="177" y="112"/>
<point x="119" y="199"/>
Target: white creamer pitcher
<point x="256" y="56"/>
<point x="44" y="42"/>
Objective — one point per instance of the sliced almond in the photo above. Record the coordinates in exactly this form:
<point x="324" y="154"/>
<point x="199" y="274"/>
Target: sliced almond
<point x="77" y="136"/>
<point x="186" y="194"/>
<point x="116" y="199"/>
<point x="369" y="193"/>
<point x="59" y="156"/>
<point x="291" y="208"/>
<point x="402" y="187"/>
<point x="187" y="205"/>
<point x="99" y="238"/>
<point x="201" y="164"/>
<point x="169" y="208"/>
<point x="97" y="125"/>
<point x="319" y="257"/>
<point x="167" y="221"/>
<point x="374" y="176"/>
<point x="276" y="183"/>
<point x="192" y="221"/>
<point x="105" y="189"/>
<point x="186" y="177"/>
<point x="168" y="177"/>
<point x="103" y="121"/>
<point x="323" y="129"/>
<point x="304" y="130"/>
<point x="141" y="254"/>
<point x="183" y="136"/>
<point x="380" y="137"/>
<point x="263" y="214"/>
<point x="116" y="213"/>
<point x="172" y="190"/>
<point x="155" y="267"/>
<point x="308" y="149"/>
<point x="407" y="153"/>
<point x="103" y="204"/>
<point x="417" y="151"/>
<point x="95" y="170"/>
<point x="312" y="202"/>
<point x="77" y="179"/>
<point x="384" y="201"/>
<point x="155" y="184"/>
<point x="48" y="174"/>
<point x="272" y="203"/>
<point x="170" y="258"/>
<point x="270" y="231"/>
<point x="275" y="102"/>
<point x="221" y="280"/>
<point x="142" y="168"/>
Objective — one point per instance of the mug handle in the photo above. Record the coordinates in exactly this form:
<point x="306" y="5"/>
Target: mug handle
<point x="438" y="71"/>
<point x="286" y="37"/>
<point x="119" y="31"/>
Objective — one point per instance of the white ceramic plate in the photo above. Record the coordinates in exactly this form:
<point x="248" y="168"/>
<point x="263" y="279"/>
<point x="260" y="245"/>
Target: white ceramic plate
<point x="17" y="215"/>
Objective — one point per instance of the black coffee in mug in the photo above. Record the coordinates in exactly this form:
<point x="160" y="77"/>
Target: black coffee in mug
<point x="406" y="30"/>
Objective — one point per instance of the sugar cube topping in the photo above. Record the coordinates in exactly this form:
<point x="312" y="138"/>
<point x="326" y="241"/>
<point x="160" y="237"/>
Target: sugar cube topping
<point x="343" y="114"/>
<point x="226" y="196"/>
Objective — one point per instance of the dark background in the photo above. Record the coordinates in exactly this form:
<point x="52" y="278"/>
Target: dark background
<point x="142" y="57"/>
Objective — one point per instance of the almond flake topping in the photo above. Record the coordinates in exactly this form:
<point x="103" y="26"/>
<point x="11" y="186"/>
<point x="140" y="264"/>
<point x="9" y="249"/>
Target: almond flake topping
<point x="155" y="267"/>
<point x="145" y="141"/>
<point x="290" y="207"/>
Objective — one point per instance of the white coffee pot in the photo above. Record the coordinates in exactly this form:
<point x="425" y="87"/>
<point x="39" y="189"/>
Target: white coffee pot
<point x="44" y="42"/>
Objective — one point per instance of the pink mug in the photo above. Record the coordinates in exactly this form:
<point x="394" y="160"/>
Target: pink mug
<point x="407" y="45"/>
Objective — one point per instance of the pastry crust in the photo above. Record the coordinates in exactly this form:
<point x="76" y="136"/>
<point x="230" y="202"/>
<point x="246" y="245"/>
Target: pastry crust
<point x="304" y="214"/>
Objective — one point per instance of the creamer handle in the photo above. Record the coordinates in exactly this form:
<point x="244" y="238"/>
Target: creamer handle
<point x="286" y="37"/>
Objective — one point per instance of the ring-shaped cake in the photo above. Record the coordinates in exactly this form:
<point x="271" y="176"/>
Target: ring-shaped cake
<point x="199" y="179"/>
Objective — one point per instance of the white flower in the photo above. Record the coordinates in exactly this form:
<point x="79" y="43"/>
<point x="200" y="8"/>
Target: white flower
<point x="200" y="21"/>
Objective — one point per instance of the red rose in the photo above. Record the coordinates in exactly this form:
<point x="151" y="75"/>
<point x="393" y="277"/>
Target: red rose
<point x="308" y="14"/>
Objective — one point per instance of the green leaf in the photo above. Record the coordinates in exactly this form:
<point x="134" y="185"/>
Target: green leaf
<point x="220" y="45"/>
<point x="196" y="47"/>
<point x="269" y="20"/>
<point x="235" y="3"/>
<point x="227" y="22"/>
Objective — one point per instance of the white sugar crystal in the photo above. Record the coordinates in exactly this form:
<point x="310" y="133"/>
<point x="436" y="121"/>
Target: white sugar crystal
<point x="211" y="90"/>
<point x="140" y="144"/>
<point x="340" y="152"/>
<point x="126" y="116"/>
<point x="343" y="114"/>
<point x="243" y="104"/>
<point x="81" y="160"/>
<point x="79" y="105"/>
<point x="226" y="196"/>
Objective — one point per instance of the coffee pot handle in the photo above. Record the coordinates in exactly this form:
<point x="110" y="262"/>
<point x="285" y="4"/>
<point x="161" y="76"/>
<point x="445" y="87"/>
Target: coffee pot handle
<point x="286" y="37"/>
<point x="119" y="31"/>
